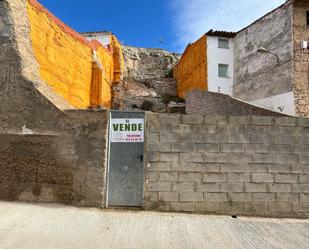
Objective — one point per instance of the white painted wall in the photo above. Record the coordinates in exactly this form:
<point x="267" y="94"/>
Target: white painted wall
<point x="216" y="56"/>
<point x="283" y="103"/>
<point x="103" y="38"/>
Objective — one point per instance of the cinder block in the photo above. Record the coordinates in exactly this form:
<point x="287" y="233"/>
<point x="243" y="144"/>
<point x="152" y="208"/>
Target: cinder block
<point x="165" y="128"/>
<point x="183" y="207"/>
<point x="262" y="139"/>
<point x="207" y="167"/>
<point x="259" y="148"/>
<point x="183" y="166"/>
<point x="183" y="186"/>
<point x="207" y="148"/>
<point x="304" y="160"/>
<point x="191" y="196"/>
<point x="152" y="175"/>
<point x="239" y="120"/>
<point x="303" y="122"/>
<point x="239" y="138"/>
<point x="263" y="158"/>
<point x="153" y="137"/>
<point x="192" y="119"/>
<point x="279" y="148"/>
<point x="213" y="129"/>
<point x="159" y="147"/>
<point x="214" y="177"/>
<point x="169" y="118"/>
<point x="183" y="147"/>
<point x="279" y="188"/>
<point x="215" y="119"/>
<point x="215" y="157"/>
<point x="232" y="148"/>
<point x="301" y="131"/>
<point x="231" y="206"/>
<point x="285" y="121"/>
<point x="181" y="128"/>
<point x="161" y="166"/>
<point x="238" y="177"/>
<point x="280" y="139"/>
<point x="192" y="157"/>
<point x="232" y="187"/>
<point x="286" y="178"/>
<point x="300" y="149"/>
<point x="240" y="157"/>
<point x="300" y="188"/>
<point x="256" y="130"/>
<point x="279" y="207"/>
<point x="152" y="196"/>
<point x="168" y="176"/>
<point x="255" y="187"/>
<point x="300" y="168"/>
<point x="262" y="120"/>
<point x="239" y="197"/>
<point x="191" y="138"/>
<point x="303" y="140"/>
<point x="304" y="197"/>
<point x="169" y="137"/>
<point x="255" y="207"/>
<point x="169" y="157"/>
<point x="262" y="177"/>
<point x="263" y="197"/>
<point x="301" y="207"/>
<point x="169" y="196"/>
<point x="212" y="207"/>
<point x="304" y="178"/>
<point x="285" y="158"/>
<point x="279" y="168"/>
<point x="159" y="186"/>
<point x="208" y="187"/>
<point x="287" y="197"/>
<point x="153" y="156"/>
<point x="215" y="138"/>
<point x="215" y="197"/>
<point x="258" y="168"/>
<point x="190" y="177"/>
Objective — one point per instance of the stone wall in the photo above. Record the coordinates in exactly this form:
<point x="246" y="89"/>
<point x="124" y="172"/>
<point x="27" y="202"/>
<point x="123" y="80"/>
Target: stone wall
<point x="301" y="57"/>
<point x="67" y="166"/>
<point x="64" y="160"/>
<point x="211" y="103"/>
<point x="228" y="165"/>
<point x="257" y="75"/>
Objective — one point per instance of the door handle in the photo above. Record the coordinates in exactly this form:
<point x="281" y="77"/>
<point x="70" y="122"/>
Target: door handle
<point x="141" y="157"/>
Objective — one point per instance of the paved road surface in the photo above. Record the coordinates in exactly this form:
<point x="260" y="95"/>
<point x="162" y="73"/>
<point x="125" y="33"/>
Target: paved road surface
<point x="30" y="226"/>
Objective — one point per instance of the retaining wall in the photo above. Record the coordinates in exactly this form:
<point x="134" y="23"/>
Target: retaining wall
<point x="228" y="165"/>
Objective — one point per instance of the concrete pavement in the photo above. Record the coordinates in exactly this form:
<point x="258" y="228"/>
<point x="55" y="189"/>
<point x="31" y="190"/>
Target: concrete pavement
<point x="37" y="226"/>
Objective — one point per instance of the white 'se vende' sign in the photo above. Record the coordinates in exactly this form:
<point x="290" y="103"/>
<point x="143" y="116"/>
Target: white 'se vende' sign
<point x="129" y="130"/>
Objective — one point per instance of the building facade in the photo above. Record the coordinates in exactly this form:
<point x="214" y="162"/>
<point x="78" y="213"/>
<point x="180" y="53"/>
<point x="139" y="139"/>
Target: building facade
<point x="220" y="70"/>
<point x="266" y="63"/>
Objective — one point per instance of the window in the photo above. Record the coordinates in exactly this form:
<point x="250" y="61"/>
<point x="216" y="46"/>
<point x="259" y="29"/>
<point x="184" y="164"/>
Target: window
<point x="223" y="43"/>
<point x="223" y="70"/>
<point x="307" y="18"/>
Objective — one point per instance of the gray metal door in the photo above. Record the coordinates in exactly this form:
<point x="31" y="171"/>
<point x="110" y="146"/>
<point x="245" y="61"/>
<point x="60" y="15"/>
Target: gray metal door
<point x="126" y="159"/>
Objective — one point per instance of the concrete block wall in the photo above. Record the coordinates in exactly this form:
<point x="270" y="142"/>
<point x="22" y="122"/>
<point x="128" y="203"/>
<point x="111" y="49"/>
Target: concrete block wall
<point x="211" y="103"/>
<point x="250" y="165"/>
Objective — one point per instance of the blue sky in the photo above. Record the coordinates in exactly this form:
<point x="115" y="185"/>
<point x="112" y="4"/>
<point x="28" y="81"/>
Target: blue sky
<point x="168" y="24"/>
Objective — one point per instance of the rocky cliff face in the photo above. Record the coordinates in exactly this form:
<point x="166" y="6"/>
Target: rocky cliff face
<point x="148" y="84"/>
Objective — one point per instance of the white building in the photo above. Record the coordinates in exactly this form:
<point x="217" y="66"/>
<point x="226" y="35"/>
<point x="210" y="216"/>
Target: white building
<point x="104" y="37"/>
<point x="220" y="56"/>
